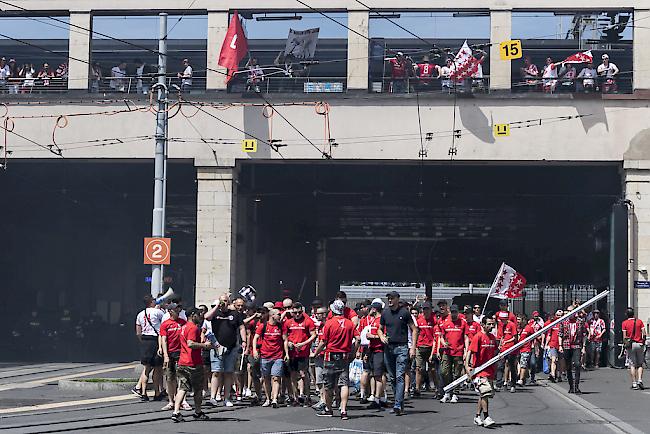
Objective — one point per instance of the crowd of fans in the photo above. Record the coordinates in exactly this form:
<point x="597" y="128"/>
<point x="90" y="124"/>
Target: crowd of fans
<point x="15" y="78"/>
<point x="285" y="354"/>
<point x="564" y="77"/>
<point x="138" y="78"/>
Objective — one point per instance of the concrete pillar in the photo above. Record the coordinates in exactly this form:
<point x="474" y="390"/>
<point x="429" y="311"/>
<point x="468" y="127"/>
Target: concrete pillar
<point x="358" y="50"/>
<point x="500" y="30"/>
<point x="214" y="233"/>
<point x="79" y="46"/>
<point x="641" y="60"/>
<point x="217" y="28"/>
<point x="637" y="190"/>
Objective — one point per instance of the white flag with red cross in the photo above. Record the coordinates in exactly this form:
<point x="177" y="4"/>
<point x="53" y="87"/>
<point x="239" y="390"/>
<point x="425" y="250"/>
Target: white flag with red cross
<point x="465" y="64"/>
<point x="508" y="283"/>
<point x="584" y="57"/>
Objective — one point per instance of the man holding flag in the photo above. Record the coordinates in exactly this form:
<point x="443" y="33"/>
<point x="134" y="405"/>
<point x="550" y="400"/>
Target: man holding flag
<point x="234" y="47"/>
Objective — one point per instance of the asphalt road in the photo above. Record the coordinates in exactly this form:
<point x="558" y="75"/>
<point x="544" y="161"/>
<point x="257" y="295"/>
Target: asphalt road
<point x="31" y="402"/>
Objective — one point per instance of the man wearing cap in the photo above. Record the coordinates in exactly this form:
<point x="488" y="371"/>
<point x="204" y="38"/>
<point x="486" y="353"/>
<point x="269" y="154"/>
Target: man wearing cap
<point x="399" y="72"/>
<point x="397" y="321"/>
<point x="506" y="367"/>
<point x="502" y="313"/>
<point x="595" y="332"/>
<point x="186" y="76"/>
<point x="607" y="72"/>
<point x="426" y="322"/>
<point x="347" y="312"/>
<point x="453" y="343"/>
<point x="376" y="365"/>
<point x="339" y="341"/>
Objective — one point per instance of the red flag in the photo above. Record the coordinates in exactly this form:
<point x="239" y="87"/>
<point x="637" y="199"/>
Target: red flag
<point x="234" y="47"/>
<point x="584" y="57"/>
<point x="508" y="283"/>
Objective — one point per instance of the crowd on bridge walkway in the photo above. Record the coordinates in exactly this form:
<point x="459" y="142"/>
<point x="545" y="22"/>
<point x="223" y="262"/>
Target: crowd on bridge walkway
<point x="382" y="353"/>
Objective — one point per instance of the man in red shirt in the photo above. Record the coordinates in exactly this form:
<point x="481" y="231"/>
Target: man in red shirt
<point x="347" y="312"/>
<point x="525" y="353"/>
<point x="452" y="347"/>
<point x="634" y="333"/>
<point x="483" y="348"/>
<point x="552" y="347"/>
<point x="595" y="331"/>
<point x="506" y="370"/>
<point x="299" y="332"/>
<point x="319" y="364"/>
<point x="170" y="339"/>
<point x="268" y="347"/>
<point x="426" y="322"/>
<point x="502" y="313"/>
<point x="399" y="71"/>
<point x="339" y="343"/>
<point x="190" y="365"/>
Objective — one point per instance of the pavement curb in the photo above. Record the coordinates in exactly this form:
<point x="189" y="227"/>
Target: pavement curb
<point x="94" y="386"/>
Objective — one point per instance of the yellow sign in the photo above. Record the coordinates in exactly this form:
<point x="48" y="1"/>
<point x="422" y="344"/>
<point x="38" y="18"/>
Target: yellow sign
<point x="249" y="145"/>
<point x="510" y="50"/>
<point x="501" y="130"/>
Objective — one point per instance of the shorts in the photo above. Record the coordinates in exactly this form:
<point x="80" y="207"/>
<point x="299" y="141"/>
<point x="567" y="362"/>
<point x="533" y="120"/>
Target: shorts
<point x="422" y="356"/>
<point x="149" y="351"/>
<point x="224" y="362"/>
<point x="376" y="362"/>
<point x="190" y="378"/>
<point x="255" y="366"/>
<point x="635" y="355"/>
<point x="272" y="367"/>
<point x="552" y="353"/>
<point x="524" y="360"/>
<point x="298" y="364"/>
<point x="484" y="386"/>
<point x="319" y="370"/>
<point x="337" y="371"/>
<point x="170" y="370"/>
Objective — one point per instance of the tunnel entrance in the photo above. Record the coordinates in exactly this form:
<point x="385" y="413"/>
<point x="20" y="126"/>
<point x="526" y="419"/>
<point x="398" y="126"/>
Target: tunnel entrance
<point x="310" y="227"/>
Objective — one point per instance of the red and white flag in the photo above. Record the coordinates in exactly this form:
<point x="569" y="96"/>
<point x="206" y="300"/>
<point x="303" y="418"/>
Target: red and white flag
<point x="508" y="283"/>
<point x="465" y="64"/>
<point x="234" y="47"/>
<point x="584" y="57"/>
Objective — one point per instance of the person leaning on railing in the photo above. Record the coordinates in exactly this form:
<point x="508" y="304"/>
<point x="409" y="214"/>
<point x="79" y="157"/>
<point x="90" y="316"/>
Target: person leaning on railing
<point x="26" y="75"/>
<point x="607" y="72"/>
<point x="587" y="78"/>
<point x="45" y="74"/>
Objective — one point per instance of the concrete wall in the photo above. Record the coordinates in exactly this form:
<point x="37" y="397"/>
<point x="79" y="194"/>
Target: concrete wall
<point x="377" y="127"/>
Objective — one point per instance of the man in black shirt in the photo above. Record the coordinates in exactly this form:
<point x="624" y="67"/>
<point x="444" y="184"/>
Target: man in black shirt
<point x="227" y="323"/>
<point x="397" y="320"/>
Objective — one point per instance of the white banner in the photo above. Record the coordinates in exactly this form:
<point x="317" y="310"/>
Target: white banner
<point x="301" y="44"/>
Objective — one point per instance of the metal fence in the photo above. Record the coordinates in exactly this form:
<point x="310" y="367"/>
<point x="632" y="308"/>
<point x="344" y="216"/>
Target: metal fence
<point x="547" y="298"/>
<point x="432" y="85"/>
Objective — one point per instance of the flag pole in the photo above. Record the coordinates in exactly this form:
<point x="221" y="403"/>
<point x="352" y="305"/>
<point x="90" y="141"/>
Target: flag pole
<point x="492" y="287"/>
<point x="499" y="356"/>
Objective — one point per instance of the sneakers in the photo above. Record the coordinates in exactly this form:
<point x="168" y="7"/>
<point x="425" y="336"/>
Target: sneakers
<point x="520" y="383"/>
<point x="274" y="404"/>
<point x="512" y="389"/>
<point x="247" y="393"/>
<point x="325" y="413"/>
<point x="344" y="415"/>
<point x="446" y="398"/>
<point x="169" y="406"/>
<point x="213" y="402"/>
<point x="136" y="392"/>
<point x="200" y="416"/>
<point x="635" y="386"/>
<point x="177" y="417"/>
<point x="533" y="382"/>
<point x="371" y="398"/>
<point x="478" y="421"/>
<point x="318" y="406"/>
<point x="488" y="422"/>
<point x="640" y="384"/>
<point x="158" y="397"/>
<point x="267" y="403"/>
<point x="185" y="406"/>
<point x="454" y="399"/>
<point x="227" y="403"/>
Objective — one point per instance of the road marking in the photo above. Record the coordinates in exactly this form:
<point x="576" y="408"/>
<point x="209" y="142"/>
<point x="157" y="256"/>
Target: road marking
<point x="42" y="381"/>
<point x="611" y="421"/>
<point x="65" y="404"/>
<point x="315" y="430"/>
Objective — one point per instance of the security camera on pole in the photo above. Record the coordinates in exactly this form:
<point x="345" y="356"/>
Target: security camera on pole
<point x="158" y="223"/>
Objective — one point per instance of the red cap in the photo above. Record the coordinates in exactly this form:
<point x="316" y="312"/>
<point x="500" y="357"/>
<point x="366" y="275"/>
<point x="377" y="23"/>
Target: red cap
<point x="278" y="305"/>
<point x="535" y="313"/>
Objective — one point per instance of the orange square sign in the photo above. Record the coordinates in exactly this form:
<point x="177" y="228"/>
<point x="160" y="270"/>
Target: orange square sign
<point x="157" y="251"/>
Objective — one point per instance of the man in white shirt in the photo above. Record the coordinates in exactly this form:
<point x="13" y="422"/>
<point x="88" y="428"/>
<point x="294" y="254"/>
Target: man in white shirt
<point x="4" y="73"/>
<point x="588" y="75"/>
<point x="549" y="75"/>
<point x="147" y="328"/>
<point x="186" y="76"/>
<point x="118" y="73"/>
<point x="445" y="74"/>
<point x="607" y="72"/>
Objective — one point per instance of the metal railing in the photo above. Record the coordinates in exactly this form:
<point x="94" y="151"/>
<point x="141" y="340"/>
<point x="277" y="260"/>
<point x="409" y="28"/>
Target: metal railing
<point x="142" y="85"/>
<point x="617" y="85"/>
<point x="288" y="84"/>
<point x="424" y="85"/>
<point x="17" y="86"/>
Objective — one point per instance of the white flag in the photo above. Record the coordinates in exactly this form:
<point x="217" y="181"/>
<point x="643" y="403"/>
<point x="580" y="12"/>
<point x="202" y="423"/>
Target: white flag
<point x="301" y="44"/>
<point x="465" y="64"/>
<point x="508" y="283"/>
